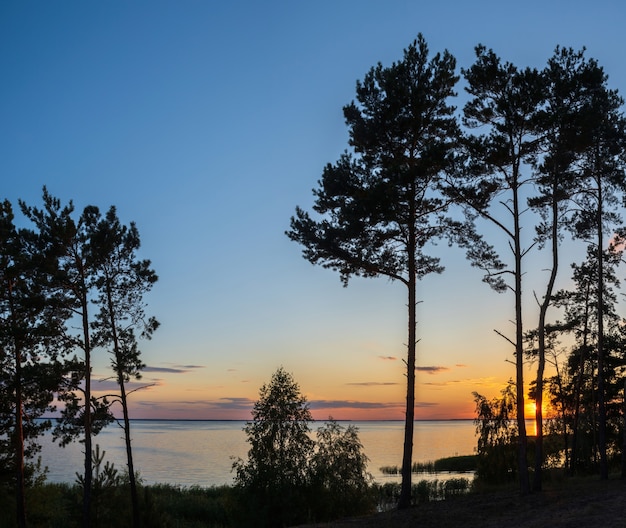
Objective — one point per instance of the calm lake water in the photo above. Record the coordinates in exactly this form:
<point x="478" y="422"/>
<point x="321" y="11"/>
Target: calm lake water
<point x="200" y="453"/>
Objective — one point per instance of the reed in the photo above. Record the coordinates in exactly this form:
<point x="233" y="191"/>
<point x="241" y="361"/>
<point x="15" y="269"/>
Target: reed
<point x="455" y="464"/>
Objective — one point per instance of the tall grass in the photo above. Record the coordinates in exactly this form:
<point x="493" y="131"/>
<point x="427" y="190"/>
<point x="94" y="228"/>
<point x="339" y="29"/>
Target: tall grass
<point x="167" y="506"/>
<point x="422" y="491"/>
<point x="456" y="464"/>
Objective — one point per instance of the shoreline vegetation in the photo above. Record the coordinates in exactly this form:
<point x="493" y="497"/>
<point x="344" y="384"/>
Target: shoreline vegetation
<point x="564" y="502"/>
<point x="455" y="464"/>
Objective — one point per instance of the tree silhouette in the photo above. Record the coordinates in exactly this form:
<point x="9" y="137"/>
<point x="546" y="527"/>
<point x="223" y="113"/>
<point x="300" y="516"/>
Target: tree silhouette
<point x="504" y="104"/>
<point x="31" y="352"/>
<point x="276" y="471"/>
<point x="598" y="203"/>
<point x="121" y="282"/>
<point x="380" y="206"/>
<point x="569" y="84"/>
<point x="68" y="240"/>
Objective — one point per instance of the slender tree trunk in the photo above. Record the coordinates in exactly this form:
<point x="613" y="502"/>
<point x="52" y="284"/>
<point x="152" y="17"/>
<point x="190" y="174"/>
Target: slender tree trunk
<point x="20" y="492"/>
<point x="579" y="381"/>
<point x="120" y="379"/>
<point x="407" y="458"/>
<point x="129" y="454"/>
<point x="563" y="413"/>
<point x="542" y="341"/>
<point x="624" y="433"/>
<point x="604" y="472"/>
<point x="19" y="448"/>
<point x="87" y="414"/>
<point x="524" y="479"/>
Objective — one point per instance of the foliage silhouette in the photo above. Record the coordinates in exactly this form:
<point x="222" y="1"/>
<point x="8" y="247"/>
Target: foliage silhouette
<point x="288" y="478"/>
<point x="381" y="206"/>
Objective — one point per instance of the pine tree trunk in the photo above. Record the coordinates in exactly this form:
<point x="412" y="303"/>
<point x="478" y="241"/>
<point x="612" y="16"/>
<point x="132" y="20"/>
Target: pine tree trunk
<point x="604" y="471"/>
<point x="19" y="443"/>
<point x="119" y="360"/>
<point x="542" y="342"/>
<point x="87" y="415"/>
<point x="129" y="455"/>
<point x="524" y="479"/>
<point x="579" y="381"/>
<point x="624" y="434"/>
<point x="407" y="458"/>
<point x="20" y="492"/>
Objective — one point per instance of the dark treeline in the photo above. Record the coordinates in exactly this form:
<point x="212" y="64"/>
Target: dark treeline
<point x="534" y="157"/>
<point x="71" y="285"/>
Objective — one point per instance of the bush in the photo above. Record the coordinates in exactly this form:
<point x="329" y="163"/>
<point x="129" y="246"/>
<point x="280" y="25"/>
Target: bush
<point x="340" y="481"/>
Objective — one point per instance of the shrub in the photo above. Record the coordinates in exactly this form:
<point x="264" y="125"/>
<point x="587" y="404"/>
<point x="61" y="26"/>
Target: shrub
<point x="341" y="482"/>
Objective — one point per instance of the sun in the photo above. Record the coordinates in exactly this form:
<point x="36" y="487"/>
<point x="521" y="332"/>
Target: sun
<point x="530" y="410"/>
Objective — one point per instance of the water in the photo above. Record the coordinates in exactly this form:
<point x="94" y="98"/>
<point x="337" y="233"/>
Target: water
<point x="201" y="453"/>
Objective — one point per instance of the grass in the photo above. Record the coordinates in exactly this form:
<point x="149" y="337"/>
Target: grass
<point x="565" y="500"/>
<point x="456" y="464"/>
<point x="168" y="506"/>
<point x="161" y="506"/>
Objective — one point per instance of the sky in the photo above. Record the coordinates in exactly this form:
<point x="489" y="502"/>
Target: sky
<point x="207" y="123"/>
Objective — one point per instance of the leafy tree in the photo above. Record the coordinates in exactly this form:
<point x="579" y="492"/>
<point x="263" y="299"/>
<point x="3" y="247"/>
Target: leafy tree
<point x="121" y="282"/>
<point x="31" y="325"/>
<point x="289" y="478"/>
<point x="505" y="102"/>
<point x="276" y="472"/>
<point x="496" y="429"/>
<point x="380" y="206"/>
<point x="339" y="472"/>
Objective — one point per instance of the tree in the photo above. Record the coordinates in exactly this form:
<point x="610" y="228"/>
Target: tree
<point x="276" y="471"/>
<point x="496" y="430"/>
<point x="505" y="101"/>
<point x="121" y="282"/>
<point x="380" y="206"/>
<point x="31" y="325"/>
<point x="288" y="478"/>
<point x="69" y="241"/>
<point x="604" y="185"/>
<point x="581" y="320"/>
<point x="570" y="81"/>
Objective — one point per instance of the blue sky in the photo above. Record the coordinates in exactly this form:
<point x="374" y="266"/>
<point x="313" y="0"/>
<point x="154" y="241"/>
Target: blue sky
<point x="207" y="123"/>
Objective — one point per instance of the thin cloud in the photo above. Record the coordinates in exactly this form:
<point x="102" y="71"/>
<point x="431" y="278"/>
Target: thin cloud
<point x="177" y="369"/>
<point x="460" y="365"/>
<point x="223" y="403"/>
<point x="167" y="370"/>
<point x="432" y="370"/>
<point x="350" y="404"/>
<point x="111" y="386"/>
<point x="388" y="358"/>
<point x="373" y="383"/>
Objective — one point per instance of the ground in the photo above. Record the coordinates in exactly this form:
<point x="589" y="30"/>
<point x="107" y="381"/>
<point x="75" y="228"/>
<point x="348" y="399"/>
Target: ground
<point x="590" y="502"/>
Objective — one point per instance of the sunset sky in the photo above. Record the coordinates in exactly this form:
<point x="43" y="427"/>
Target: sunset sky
<point x="206" y="123"/>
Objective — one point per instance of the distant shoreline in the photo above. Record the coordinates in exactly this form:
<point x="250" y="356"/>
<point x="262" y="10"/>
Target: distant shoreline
<point x="247" y="420"/>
